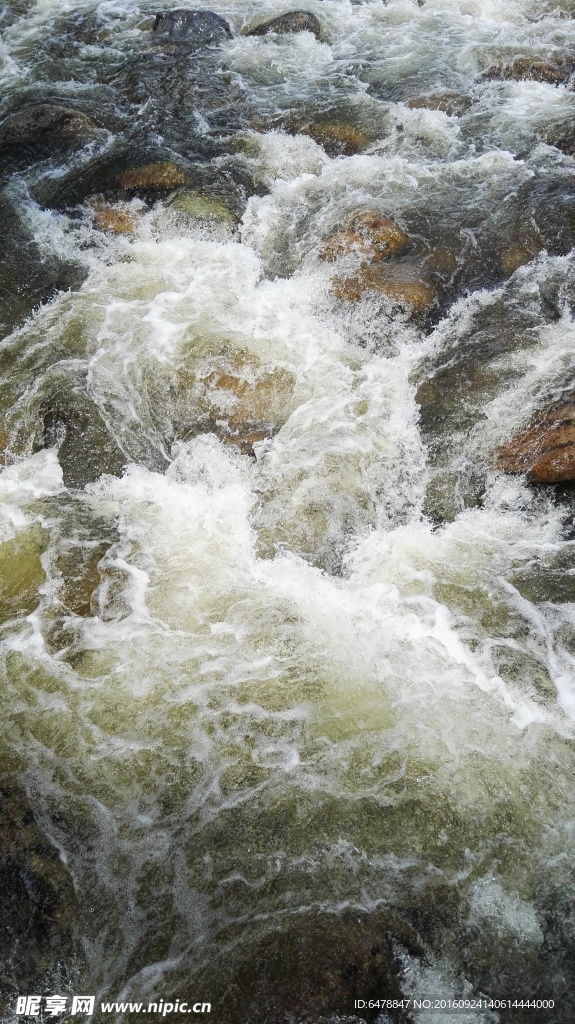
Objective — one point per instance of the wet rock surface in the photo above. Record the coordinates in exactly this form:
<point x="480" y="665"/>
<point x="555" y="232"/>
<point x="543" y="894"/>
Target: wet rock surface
<point x="28" y="275"/>
<point x="532" y="69"/>
<point x="287" y="24"/>
<point x="38" y="945"/>
<point x="85" y="447"/>
<point x="240" y="401"/>
<point x="451" y="103"/>
<point x="327" y="976"/>
<point x="546" y="450"/>
<point x="368" y="235"/>
<point x="157" y="177"/>
<point x="403" y="283"/>
<point x="198" y="28"/>
<point x="43" y="123"/>
<point x="113" y="218"/>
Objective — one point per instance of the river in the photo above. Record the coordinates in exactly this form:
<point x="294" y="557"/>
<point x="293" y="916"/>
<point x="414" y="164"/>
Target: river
<point x="288" y="658"/>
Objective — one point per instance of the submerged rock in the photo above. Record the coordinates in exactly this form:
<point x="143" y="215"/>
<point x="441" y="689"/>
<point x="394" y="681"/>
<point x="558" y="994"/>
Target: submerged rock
<point x="40" y="913"/>
<point x="157" y="177"/>
<point x="368" y="235"/>
<point x="86" y="448"/>
<point x="198" y="27"/>
<point x="43" y="123"/>
<point x="533" y="69"/>
<point x="21" y="573"/>
<point x="546" y="450"/>
<point x="336" y="138"/>
<point x="314" y="965"/>
<point x="451" y="103"/>
<point x="404" y="283"/>
<point x="113" y="218"/>
<point x="29" y="276"/>
<point x="198" y="206"/>
<point x="287" y="24"/>
<point x="236" y="399"/>
<point x="517" y="255"/>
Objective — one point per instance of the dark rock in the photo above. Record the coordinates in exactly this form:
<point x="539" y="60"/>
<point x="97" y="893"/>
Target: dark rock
<point x="42" y="123"/>
<point x="312" y="966"/>
<point x="86" y="449"/>
<point x="285" y="24"/>
<point x="197" y="27"/>
<point x="27" y="276"/>
<point x="40" y="915"/>
<point x="546" y="450"/>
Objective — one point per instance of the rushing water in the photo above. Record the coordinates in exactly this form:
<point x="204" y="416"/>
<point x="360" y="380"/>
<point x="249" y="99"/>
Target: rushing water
<point x="297" y="711"/>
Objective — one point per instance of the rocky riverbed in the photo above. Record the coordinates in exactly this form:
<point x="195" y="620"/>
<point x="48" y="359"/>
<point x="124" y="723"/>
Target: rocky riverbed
<point x="287" y="507"/>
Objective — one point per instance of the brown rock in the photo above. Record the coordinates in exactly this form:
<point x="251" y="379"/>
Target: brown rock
<point x="158" y="177"/>
<point x="287" y="24"/>
<point x="546" y="450"/>
<point x="518" y="255"/>
<point x="451" y="103"/>
<point x="337" y="139"/>
<point x="238" y="400"/>
<point x="405" y="283"/>
<point x="81" y="578"/>
<point x="244" y="441"/>
<point x="533" y="69"/>
<point x="113" y="218"/>
<point x="441" y="261"/>
<point x="369" y="235"/>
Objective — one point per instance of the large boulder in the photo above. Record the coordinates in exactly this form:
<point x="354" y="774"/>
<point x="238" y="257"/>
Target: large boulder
<point x="545" y="451"/>
<point x="197" y="27"/>
<point x="44" y="123"/>
<point x="287" y="24"/>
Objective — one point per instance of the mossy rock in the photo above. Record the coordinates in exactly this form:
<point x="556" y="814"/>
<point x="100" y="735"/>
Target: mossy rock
<point x="163" y="176"/>
<point x="199" y="206"/>
<point x="21" y="572"/>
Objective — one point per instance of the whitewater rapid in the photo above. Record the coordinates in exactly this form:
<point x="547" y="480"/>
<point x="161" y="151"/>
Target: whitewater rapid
<point x="256" y="698"/>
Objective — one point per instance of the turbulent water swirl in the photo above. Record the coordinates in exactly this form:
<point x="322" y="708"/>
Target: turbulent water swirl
<point x="288" y="651"/>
